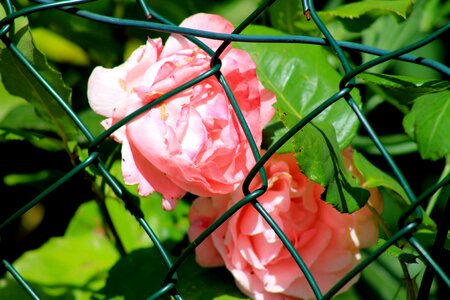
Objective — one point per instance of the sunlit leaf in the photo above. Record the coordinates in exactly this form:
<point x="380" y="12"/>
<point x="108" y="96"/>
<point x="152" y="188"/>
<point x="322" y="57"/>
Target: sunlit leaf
<point x="19" y="81"/>
<point x="374" y="177"/>
<point x="59" y="48"/>
<point x="65" y="267"/>
<point x="428" y="124"/>
<point x="359" y="8"/>
<point x="287" y="15"/>
<point x="301" y="78"/>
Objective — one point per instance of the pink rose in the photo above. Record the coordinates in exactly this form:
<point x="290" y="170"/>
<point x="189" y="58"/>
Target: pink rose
<point x="329" y="242"/>
<point x="192" y="142"/>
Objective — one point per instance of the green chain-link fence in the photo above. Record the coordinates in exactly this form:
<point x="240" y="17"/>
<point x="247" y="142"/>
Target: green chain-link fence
<point x="409" y="221"/>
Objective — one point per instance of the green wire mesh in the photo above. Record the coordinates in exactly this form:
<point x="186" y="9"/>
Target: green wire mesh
<point x="408" y="222"/>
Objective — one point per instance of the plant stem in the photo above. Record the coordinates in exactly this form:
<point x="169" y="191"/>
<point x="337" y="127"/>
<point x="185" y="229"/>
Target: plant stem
<point x="435" y="197"/>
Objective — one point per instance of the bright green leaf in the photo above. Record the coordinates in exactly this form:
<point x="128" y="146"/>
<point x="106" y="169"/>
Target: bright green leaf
<point x="7" y="101"/>
<point x="301" y="78"/>
<point x="319" y="158"/>
<point x="59" y="48"/>
<point x="400" y="34"/>
<point x="359" y="8"/>
<point x="287" y="15"/>
<point x="428" y="124"/>
<point x="426" y="238"/>
<point x="171" y="225"/>
<point x="65" y="268"/>
<point x="167" y="225"/>
<point x="48" y="264"/>
<point x="86" y="220"/>
<point x="374" y="177"/>
<point x="20" y="82"/>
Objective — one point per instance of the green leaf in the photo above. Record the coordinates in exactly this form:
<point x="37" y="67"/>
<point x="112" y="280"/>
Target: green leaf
<point x="59" y="48"/>
<point x="386" y="272"/>
<point x="86" y="220"/>
<point x="399" y="35"/>
<point x="284" y="14"/>
<point x="319" y="158"/>
<point x="65" y="267"/>
<point x="374" y="177"/>
<point x="171" y="225"/>
<point x="427" y="236"/>
<point x="141" y="273"/>
<point x="403" y="90"/>
<point x="301" y="78"/>
<point x="7" y="101"/>
<point x="20" y="82"/>
<point x="359" y="8"/>
<point x="167" y="225"/>
<point x="23" y="123"/>
<point x="428" y="124"/>
<point x="287" y="15"/>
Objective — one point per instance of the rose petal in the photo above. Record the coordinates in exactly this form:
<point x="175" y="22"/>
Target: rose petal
<point x="201" y="21"/>
<point x="106" y="89"/>
<point x="137" y="169"/>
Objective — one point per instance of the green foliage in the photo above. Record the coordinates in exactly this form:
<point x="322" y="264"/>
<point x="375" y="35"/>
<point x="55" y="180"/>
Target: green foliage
<point x="403" y="90"/>
<point x="138" y="275"/>
<point x="58" y="48"/>
<point x="301" y="78"/>
<point x="375" y="178"/>
<point x="428" y="124"/>
<point x="87" y="256"/>
<point x="287" y="15"/>
<point x="20" y="82"/>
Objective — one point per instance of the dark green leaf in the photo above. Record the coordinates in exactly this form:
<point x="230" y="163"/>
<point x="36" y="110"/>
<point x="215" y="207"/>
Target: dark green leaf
<point x="23" y="123"/>
<point x="141" y="273"/>
<point x="387" y="272"/>
<point x="403" y="90"/>
<point x="19" y="81"/>
<point x="428" y="124"/>
<point x="401" y="254"/>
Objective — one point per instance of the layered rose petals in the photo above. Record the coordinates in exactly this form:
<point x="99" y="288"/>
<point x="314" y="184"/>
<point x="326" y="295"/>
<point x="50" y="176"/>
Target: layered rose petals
<point x="192" y="142"/>
<point x="329" y="242"/>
